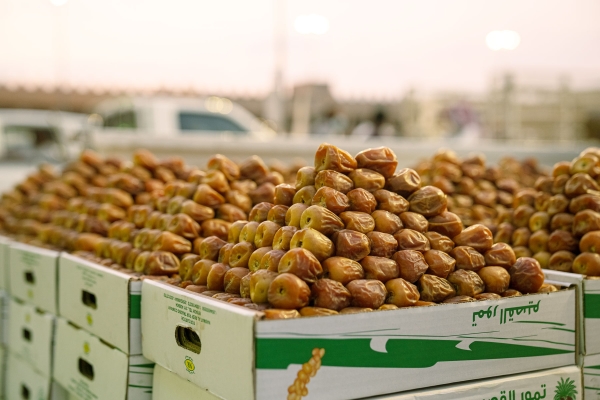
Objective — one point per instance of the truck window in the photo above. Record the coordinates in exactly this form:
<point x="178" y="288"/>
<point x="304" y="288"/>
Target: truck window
<point x="190" y="121"/>
<point x="123" y="119"/>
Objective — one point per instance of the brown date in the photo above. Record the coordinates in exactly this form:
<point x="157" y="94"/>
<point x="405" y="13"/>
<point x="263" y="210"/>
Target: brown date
<point x="277" y="214"/>
<point x="468" y="258"/>
<point x="358" y="221"/>
<point x="439" y="242"/>
<point x="173" y="243"/>
<point x="260" y="212"/>
<point x="380" y="159"/>
<point x="367" y="179"/>
<point x="380" y="268"/>
<point x="333" y="179"/>
<point x="321" y="219"/>
<point x="256" y="257"/>
<point x="361" y="200"/>
<point x="301" y="263"/>
<point x="351" y="244"/>
<point x="404" y="182"/>
<point x="216" y="227"/>
<point x="520" y="237"/>
<point x="265" y="233"/>
<point x="587" y="264"/>
<point x="586" y="221"/>
<point x="590" y="242"/>
<point x="411" y="240"/>
<point x="401" y="293"/>
<point x="562" y="240"/>
<point x="294" y="213"/>
<point x="429" y="201"/>
<point x="446" y="223"/>
<point x="501" y="254"/>
<point x="233" y="235"/>
<point x="210" y="247"/>
<point x="305" y="195"/>
<point x="526" y="275"/>
<point x="314" y="241"/>
<point x="367" y="293"/>
<point x="287" y="291"/>
<point x="282" y="238"/>
<point x="305" y="177"/>
<point x="386" y="222"/>
<point x="496" y="279"/>
<point x="411" y="264"/>
<point x="330" y="294"/>
<point x="330" y="157"/>
<point x="440" y="264"/>
<point x="248" y="232"/>
<point x="342" y="270"/>
<point x="435" y="289"/>
<point x="207" y="196"/>
<point x="240" y="254"/>
<point x="538" y="241"/>
<point x="476" y="236"/>
<point x="561" y="261"/>
<point x="270" y="260"/>
<point x="331" y="199"/>
<point x="562" y="221"/>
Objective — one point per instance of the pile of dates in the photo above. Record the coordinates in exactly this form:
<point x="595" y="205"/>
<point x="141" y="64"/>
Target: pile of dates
<point x="479" y="193"/>
<point x="557" y="222"/>
<point x="355" y="234"/>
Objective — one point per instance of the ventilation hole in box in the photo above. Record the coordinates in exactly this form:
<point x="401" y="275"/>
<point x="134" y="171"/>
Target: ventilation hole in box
<point x="24" y="392"/>
<point x="26" y="334"/>
<point x="89" y="299"/>
<point x="188" y="339"/>
<point x="86" y="369"/>
<point x="29" y="277"/>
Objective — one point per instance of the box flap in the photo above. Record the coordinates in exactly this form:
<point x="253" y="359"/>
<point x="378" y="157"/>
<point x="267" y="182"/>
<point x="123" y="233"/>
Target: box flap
<point x="31" y="336"/>
<point x="208" y="342"/>
<point x="95" y="298"/>
<point x="87" y="367"/>
<point x="33" y="275"/>
<point x="23" y="382"/>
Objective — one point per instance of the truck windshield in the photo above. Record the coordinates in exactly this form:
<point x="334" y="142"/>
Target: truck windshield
<point x="190" y="121"/>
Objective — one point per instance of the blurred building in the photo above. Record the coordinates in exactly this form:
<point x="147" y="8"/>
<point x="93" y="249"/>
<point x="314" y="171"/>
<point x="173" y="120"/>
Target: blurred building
<point x="515" y="107"/>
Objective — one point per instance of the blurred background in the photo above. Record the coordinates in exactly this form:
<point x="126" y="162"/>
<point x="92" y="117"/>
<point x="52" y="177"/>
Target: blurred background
<point x="278" y="77"/>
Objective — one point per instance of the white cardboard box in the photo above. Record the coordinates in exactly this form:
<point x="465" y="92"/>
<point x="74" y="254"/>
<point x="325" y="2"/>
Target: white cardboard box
<point x="4" y="262"/>
<point x="31" y="336"/>
<point x="34" y="275"/>
<point x="207" y="341"/>
<point x="588" y="307"/>
<point x="565" y="381"/>
<point x="25" y="383"/>
<point x="92" y="370"/>
<point x="591" y="376"/>
<point x="103" y="301"/>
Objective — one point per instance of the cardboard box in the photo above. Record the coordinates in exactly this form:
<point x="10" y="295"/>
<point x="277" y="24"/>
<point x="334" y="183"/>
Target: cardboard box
<point x="565" y="381"/>
<point x="24" y="382"/>
<point x="92" y="370"/>
<point x="207" y="341"/>
<point x="4" y="262"/>
<point x="34" y="275"/>
<point x="31" y="336"/>
<point x="103" y="301"/>
<point x="588" y="307"/>
<point x="591" y="376"/>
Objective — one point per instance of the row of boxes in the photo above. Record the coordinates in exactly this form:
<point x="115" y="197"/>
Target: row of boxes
<point x="54" y="334"/>
<point x="232" y="353"/>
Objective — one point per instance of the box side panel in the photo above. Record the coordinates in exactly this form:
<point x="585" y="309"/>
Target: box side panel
<point x="31" y="336"/>
<point x="591" y="311"/>
<point x="168" y="386"/>
<point x="425" y="346"/>
<point x="33" y="276"/>
<point x="22" y="379"/>
<point x="87" y="367"/>
<point x="139" y="383"/>
<point x="3" y="356"/>
<point x="95" y="298"/>
<point x="135" y="314"/>
<point x="565" y="382"/>
<point x="4" y="314"/>
<point x="4" y="264"/>
<point x="591" y="376"/>
<point x="216" y="339"/>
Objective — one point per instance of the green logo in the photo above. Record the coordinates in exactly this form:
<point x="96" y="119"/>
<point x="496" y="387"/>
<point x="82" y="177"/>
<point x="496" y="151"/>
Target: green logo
<point x="89" y="319"/>
<point x="189" y="365"/>
<point x="86" y="348"/>
<point x="565" y="390"/>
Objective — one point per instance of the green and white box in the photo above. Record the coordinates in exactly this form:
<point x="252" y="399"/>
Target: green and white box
<point x="556" y="383"/>
<point x="34" y="275"/>
<point x="207" y="342"/>
<point x="4" y="262"/>
<point x="103" y="301"/>
<point x="588" y="307"/>
<point x="31" y="336"/>
<point x="591" y="376"/>
<point x="24" y="382"/>
<point x="92" y="370"/>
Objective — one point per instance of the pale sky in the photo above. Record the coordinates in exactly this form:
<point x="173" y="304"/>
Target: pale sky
<point x="373" y="48"/>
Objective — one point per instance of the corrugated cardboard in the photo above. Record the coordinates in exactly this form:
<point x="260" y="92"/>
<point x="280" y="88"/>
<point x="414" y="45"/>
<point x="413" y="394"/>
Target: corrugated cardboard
<point x="92" y="370"/>
<point x="4" y="263"/>
<point x="394" y="351"/>
<point x="103" y="301"/>
<point x="24" y="382"/>
<point x="33" y="276"/>
<point x="588" y="308"/>
<point x="564" y="382"/>
<point x="31" y="336"/>
<point x="591" y="376"/>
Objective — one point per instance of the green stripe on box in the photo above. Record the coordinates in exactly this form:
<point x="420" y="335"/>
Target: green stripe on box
<point x="592" y="367"/>
<point x="135" y="306"/>
<point x="592" y="305"/>
<point x="401" y="353"/>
